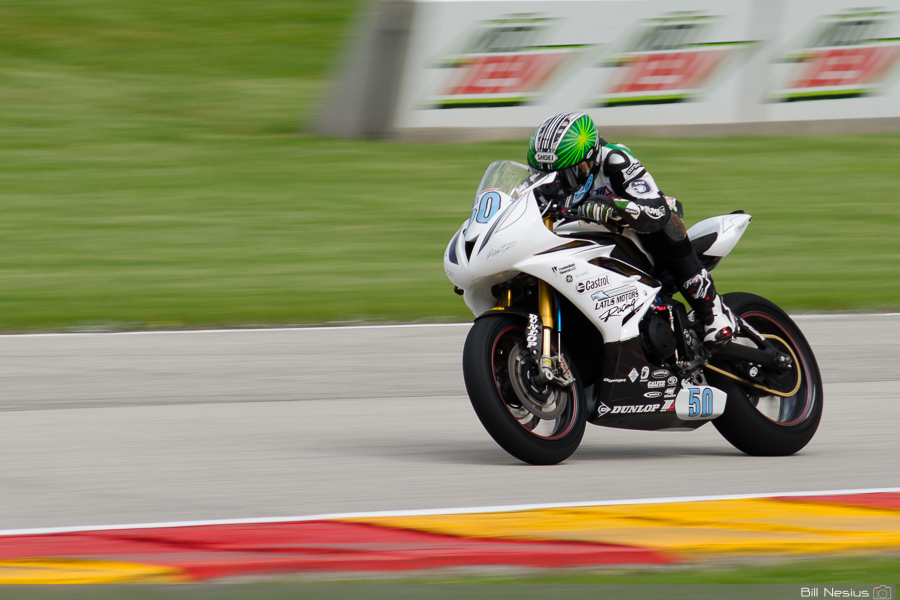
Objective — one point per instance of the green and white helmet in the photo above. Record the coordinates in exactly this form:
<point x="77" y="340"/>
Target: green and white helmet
<point x="569" y="144"/>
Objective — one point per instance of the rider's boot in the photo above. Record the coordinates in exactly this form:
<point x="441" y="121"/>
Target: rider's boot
<point x="719" y="323"/>
<point x="674" y="249"/>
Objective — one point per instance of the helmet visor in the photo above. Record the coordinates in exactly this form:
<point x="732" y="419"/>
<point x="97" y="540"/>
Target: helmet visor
<point x="576" y="176"/>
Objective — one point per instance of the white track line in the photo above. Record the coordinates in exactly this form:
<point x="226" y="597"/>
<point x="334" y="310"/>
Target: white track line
<point x="443" y="511"/>
<point x="238" y="330"/>
<point x="801" y="317"/>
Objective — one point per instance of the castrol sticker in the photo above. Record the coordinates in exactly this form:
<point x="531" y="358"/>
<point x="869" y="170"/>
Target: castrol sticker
<point x="591" y="285"/>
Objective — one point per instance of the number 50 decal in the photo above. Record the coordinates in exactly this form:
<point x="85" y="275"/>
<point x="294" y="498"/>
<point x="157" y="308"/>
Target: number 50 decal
<point x="697" y="403"/>
<point x="700" y="402"/>
<point x="487" y="207"/>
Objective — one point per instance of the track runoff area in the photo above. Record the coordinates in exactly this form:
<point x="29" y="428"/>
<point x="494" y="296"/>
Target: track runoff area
<point x="667" y="531"/>
<point x="632" y="532"/>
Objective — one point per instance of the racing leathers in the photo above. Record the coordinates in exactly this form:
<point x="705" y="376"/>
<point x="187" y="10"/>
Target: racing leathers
<point x="625" y="194"/>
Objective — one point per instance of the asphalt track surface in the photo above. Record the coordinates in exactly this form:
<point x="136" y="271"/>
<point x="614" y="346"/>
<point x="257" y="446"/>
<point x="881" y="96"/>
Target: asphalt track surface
<point x="102" y="429"/>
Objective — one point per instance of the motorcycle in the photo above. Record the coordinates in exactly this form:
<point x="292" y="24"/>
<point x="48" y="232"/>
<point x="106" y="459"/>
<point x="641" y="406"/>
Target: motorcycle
<point x="575" y="324"/>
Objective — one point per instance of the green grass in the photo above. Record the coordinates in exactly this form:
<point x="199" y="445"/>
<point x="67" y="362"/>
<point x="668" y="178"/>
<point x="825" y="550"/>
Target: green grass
<point x="842" y="570"/>
<point x="542" y="584"/>
<point x="155" y="171"/>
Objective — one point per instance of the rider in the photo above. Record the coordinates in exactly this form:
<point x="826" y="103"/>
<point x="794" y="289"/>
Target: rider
<point x="607" y="184"/>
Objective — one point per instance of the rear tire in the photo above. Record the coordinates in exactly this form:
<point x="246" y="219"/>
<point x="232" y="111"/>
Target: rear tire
<point x="762" y="424"/>
<point x="540" y="425"/>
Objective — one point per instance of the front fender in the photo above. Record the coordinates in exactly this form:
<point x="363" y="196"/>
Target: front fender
<point x="507" y="310"/>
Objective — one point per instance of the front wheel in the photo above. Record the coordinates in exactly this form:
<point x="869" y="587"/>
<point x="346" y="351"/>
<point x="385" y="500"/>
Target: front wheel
<point x="536" y="422"/>
<point x="780" y="413"/>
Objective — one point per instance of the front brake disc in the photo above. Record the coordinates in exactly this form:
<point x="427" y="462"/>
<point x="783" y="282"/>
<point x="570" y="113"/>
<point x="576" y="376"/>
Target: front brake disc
<point x="543" y="400"/>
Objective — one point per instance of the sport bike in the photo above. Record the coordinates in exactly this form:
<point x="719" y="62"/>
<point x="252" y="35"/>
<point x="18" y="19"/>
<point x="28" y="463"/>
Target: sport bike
<point x="575" y="324"/>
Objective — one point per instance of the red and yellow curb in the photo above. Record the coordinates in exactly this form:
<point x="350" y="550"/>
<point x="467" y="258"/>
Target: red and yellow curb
<point x="66" y="571"/>
<point x="644" y="533"/>
<point x="690" y="530"/>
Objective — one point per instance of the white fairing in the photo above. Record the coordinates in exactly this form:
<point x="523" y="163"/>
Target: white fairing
<point x="506" y="236"/>
<point x="728" y="230"/>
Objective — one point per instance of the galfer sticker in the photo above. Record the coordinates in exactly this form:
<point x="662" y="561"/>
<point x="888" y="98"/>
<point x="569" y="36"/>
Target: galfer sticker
<point x="700" y="402"/>
<point x="533" y="332"/>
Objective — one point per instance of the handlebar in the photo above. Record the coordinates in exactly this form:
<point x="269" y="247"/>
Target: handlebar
<point x="568" y="212"/>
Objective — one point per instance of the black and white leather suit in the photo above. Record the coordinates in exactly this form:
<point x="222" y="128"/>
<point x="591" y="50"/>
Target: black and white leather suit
<point x="652" y="214"/>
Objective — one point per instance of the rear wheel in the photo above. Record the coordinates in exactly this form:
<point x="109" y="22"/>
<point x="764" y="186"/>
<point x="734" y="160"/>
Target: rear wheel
<point x="780" y="413"/>
<point x="536" y="422"/>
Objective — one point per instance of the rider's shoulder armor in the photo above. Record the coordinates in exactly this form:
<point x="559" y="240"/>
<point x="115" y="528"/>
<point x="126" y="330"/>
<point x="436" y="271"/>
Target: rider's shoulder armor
<point x="626" y="175"/>
<point x="617" y="158"/>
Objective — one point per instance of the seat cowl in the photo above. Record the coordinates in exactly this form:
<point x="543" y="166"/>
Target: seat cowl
<point x="717" y="236"/>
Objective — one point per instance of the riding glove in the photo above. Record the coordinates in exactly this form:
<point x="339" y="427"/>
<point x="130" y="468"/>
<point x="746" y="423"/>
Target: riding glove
<point x="599" y="209"/>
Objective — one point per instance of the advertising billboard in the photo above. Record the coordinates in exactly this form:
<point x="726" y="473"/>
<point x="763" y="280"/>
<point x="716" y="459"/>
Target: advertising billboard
<point x="501" y="64"/>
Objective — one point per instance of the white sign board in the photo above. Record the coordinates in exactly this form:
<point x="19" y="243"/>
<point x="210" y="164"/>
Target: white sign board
<point x="510" y="64"/>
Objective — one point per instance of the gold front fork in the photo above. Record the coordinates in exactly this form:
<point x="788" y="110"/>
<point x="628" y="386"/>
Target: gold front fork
<point x="545" y="307"/>
<point x="553" y="369"/>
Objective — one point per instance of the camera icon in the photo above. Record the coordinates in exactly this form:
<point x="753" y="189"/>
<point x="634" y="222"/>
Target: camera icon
<point x="882" y="592"/>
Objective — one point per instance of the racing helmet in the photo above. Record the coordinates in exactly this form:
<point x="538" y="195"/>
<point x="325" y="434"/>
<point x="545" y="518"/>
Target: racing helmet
<point x="569" y="144"/>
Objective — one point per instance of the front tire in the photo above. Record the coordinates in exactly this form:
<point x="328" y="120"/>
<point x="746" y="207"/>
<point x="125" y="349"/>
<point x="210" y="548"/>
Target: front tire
<point x="757" y="422"/>
<point x="538" y="424"/>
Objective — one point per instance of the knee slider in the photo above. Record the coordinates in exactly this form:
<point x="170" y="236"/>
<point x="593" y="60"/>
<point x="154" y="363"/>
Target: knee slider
<point x="674" y="229"/>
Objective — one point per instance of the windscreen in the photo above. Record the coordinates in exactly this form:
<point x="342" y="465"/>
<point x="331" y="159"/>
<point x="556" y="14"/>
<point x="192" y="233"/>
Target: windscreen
<point x="504" y="175"/>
